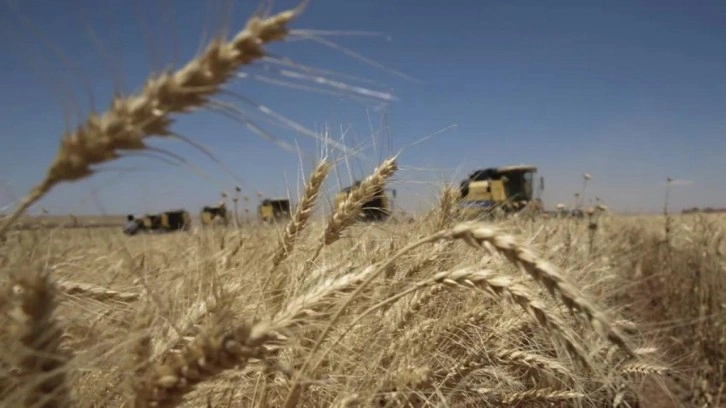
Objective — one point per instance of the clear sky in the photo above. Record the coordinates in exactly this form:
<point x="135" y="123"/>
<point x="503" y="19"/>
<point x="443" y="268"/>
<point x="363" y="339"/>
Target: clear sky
<point x="631" y="92"/>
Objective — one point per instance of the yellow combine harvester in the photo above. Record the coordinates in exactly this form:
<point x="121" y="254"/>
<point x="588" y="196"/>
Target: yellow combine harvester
<point x="508" y="188"/>
<point x="168" y="221"/>
<point x="273" y="209"/>
<point x="215" y="214"/>
<point x="376" y="209"/>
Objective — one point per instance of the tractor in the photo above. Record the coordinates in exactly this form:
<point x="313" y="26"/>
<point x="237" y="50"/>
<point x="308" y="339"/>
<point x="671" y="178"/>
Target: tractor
<point x="508" y="189"/>
<point x="274" y="209"/>
<point x="212" y="215"/>
<point x="168" y="221"/>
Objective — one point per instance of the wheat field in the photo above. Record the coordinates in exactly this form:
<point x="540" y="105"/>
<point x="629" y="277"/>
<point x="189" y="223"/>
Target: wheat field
<point x="430" y="310"/>
<point x="217" y="316"/>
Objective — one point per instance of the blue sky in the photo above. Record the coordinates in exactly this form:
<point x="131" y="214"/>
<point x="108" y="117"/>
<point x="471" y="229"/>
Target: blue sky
<point x="631" y="92"/>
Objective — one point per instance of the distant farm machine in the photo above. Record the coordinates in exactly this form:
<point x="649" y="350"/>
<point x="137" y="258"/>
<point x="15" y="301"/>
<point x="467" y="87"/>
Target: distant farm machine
<point x="378" y="208"/>
<point x="274" y="209"/>
<point x="508" y="189"/>
<point x="168" y="221"/>
<point x="215" y="215"/>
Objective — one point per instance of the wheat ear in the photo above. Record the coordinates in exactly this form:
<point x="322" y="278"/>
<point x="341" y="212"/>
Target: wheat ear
<point x="294" y="228"/>
<point x="207" y="356"/>
<point x="96" y="292"/>
<point x="546" y="396"/>
<point x="351" y="207"/>
<point x="212" y="352"/>
<point x="500" y="287"/>
<point x="302" y="213"/>
<point x="130" y="120"/>
<point x="505" y="288"/>
<point x="41" y="362"/>
<point x="140" y="350"/>
<point x="446" y="209"/>
<point x="544" y="272"/>
<point x="345" y="215"/>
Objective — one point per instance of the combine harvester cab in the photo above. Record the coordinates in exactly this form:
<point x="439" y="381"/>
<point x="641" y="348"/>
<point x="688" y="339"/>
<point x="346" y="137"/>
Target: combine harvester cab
<point x="508" y="189"/>
<point x="215" y="215"/>
<point x="379" y="208"/>
<point x="274" y="209"/>
<point x="177" y="220"/>
<point x="168" y="221"/>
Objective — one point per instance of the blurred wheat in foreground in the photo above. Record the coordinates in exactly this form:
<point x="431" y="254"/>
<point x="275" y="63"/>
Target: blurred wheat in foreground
<point x="435" y="312"/>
